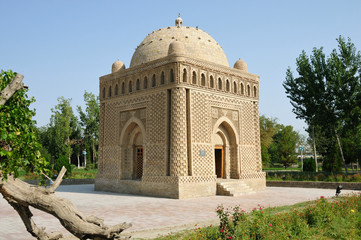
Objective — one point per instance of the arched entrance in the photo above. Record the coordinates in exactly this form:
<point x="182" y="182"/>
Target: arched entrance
<point x="225" y="150"/>
<point x="132" y="144"/>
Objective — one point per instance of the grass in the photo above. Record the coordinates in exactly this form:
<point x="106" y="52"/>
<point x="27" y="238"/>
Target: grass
<point x="76" y="173"/>
<point x="335" y="218"/>
<point x="313" y="176"/>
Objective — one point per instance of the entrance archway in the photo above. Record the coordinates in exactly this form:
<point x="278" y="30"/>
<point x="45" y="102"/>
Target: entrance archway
<point x="132" y="145"/>
<point x="225" y="150"/>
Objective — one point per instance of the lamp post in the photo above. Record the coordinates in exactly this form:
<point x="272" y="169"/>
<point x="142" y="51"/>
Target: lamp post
<point x="301" y="149"/>
<point x="84" y="153"/>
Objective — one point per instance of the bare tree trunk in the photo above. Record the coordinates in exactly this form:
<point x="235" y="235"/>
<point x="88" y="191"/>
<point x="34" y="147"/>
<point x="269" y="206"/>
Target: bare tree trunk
<point x="15" y="85"/>
<point x="340" y="147"/>
<point x="77" y="155"/>
<point x="21" y="195"/>
<point x="314" y="147"/>
<point x="94" y="153"/>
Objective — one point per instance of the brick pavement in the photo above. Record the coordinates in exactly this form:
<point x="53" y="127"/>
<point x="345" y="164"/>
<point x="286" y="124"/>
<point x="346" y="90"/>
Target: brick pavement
<point x="150" y="215"/>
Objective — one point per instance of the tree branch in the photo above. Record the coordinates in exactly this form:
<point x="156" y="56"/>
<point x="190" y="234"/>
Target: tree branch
<point x="15" y="85"/>
<point x="58" y="180"/>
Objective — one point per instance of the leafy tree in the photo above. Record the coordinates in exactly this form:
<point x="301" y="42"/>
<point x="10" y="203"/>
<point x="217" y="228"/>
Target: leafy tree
<point x="268" y="128"/>
<point x="326" y="94"/>
<point x="63" y="124"/>
<point x="283" y="149"/>
<point x="89" y="120"/>
<point x="19" y="148"/>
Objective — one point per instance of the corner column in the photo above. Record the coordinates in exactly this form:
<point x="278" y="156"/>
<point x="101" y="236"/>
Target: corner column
<point x="178" y="136"/>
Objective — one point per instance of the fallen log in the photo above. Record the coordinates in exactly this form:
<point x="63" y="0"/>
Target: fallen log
<point x="21" y="195"/>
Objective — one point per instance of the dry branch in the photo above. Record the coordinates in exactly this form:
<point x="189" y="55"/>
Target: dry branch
<point x="15" y="85"/>
<point x="21" y="195"/>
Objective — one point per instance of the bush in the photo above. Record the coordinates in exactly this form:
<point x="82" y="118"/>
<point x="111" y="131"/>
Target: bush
<point x="60" y="162"/>
<point x="309" y="165"/>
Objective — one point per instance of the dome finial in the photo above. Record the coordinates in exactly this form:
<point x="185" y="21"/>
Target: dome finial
<point x="179" y="21"/>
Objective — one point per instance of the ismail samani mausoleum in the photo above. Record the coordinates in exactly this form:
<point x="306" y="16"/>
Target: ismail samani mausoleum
<point x="179" y="122"/>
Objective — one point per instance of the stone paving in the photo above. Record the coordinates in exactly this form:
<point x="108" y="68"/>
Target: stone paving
<point x="151" y="216"/>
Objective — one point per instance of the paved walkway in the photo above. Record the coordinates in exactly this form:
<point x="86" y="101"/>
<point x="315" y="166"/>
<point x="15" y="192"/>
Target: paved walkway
<point x="150" y="216"/>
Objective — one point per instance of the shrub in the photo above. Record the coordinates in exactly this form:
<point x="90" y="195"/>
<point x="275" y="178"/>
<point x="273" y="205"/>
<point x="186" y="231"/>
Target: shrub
<point x="309" y="165"/>
<point x="60" y="162"/>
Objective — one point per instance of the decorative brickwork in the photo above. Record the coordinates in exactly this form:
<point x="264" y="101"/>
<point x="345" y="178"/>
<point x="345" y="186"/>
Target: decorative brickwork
<point x="178" y="150"/>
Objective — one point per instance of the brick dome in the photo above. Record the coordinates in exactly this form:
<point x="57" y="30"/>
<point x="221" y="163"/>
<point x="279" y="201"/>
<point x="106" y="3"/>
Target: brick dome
<point x="197" y="44"/>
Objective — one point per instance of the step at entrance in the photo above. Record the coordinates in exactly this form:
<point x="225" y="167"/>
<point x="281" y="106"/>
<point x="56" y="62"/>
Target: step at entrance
<point x="233" y="187"/>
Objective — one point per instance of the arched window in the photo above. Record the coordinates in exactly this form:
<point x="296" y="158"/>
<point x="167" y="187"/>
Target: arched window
<point x="211" y="82"/>
<point x="171" y="75"/>
<point x="130" y="86"/>
<point x="103" y="92"/>
<point x="254" y="91"/>
<point x="110" y="91"/>
<point x="248" y="90"/>
<point x="234" y="87"/>
<point x="162" y="78"/>
<point x="123" y="87"/>
<point x="116" y="90"/>
<point x="227" y="86"/>
<point x="153" y="81"/>
<point x="219" y="84"/>
<point x="137" y="85"/>
<point x="184" y="75"/>
<point x="194" y="77"/>
<point x="203" y="80"/>
<point x="145" y="83"/>
<point x="242" y="89"/>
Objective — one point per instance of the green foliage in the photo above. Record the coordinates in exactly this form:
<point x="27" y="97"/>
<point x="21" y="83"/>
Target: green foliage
<point x="309" y="165"/>
<point x="268" y="128"/>
<point x="89" y="120"/>
<point x="327" y="95"/>
<point x="19" y="147"/>
<point x="283" y="149"/>
<point x="60" y="162"/>
<point x="337" y="218"/>
<point x="313" y="176"/>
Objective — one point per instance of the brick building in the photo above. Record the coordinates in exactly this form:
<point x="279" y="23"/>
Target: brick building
<point x="179" y="122"/>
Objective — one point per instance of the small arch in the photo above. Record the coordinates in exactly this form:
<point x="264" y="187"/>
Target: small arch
<point x="104" y="92"/>
<point x="203" y="79"/>
<point x="116" y="89"/>
<point x="254" y="91"/>
<point x="248" y="90"/>
<point x="242" y="89"/>
<point x="194" y="77"/>
<point x="219" y="84"/>
<point x="184" y="75"/>
<point x="153" y="80"/>
<point x="162" y="78"/>
<point x="227" y="85"/>
<point x="137" y="85"/>
<point x="110" y="91"/>
<point x="130" y="87"/>
<point x="211" y="82"/>
<point x="234" y="87"/>
<point x="123" y="87"/>
<point x="171" y="75"/>
<point x="145" y="83"/>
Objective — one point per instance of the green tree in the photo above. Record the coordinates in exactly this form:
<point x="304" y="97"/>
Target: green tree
<point x="89" y="120"/>
<point x="19" y="148"/>
<point x="63" y="124"/>
<point x="268" y="128"/>
<point x="326" y="94"/>
<point x="283" y="148"/>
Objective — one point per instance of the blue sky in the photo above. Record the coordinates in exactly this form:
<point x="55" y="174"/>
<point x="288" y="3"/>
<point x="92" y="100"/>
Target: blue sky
<point x="63" y="47"/>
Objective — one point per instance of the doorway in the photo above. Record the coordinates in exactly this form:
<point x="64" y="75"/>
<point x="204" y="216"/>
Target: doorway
<point x="218" y="156"/>
<point x="139" y="163"/>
